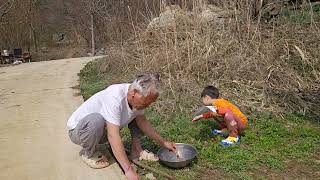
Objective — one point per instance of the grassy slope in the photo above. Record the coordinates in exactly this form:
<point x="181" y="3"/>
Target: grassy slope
<point x="271" y="148"/>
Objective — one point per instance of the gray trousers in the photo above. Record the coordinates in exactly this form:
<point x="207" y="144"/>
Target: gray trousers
<point x="91" y="131"/>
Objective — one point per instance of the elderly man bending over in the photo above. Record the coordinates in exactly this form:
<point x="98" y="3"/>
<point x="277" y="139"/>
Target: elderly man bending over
<point x="100" y="118"/>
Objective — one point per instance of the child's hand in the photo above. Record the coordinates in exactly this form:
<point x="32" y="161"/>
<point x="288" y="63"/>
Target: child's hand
<point x="197" y="118"/>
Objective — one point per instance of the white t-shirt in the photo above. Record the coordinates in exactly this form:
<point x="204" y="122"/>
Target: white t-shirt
<point x="111" y="103"/>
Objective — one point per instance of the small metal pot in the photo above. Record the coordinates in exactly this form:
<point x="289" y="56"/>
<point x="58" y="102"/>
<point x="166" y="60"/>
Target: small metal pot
<point x="186" y="154"/>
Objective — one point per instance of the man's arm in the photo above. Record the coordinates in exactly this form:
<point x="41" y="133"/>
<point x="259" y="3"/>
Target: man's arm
<point x="118" y="149"/>
<point x="148" y="130"/>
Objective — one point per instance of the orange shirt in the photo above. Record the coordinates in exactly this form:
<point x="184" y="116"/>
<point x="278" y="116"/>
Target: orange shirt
<point x="223" y="105"/>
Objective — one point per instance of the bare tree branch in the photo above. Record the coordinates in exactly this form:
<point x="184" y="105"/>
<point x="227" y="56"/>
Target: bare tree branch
<point x="6" y="8"/>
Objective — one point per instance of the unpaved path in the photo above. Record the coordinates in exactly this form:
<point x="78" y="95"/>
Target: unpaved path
<point x="36" y="100"/>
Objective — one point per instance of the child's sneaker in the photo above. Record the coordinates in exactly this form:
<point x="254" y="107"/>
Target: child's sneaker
<point x="230" y="141"/>
<point x="222" y="132"/>
<point x="216" y="132"/>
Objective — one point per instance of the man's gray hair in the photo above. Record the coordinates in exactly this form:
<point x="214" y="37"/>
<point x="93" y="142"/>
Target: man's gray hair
<point x="146" y="83"/>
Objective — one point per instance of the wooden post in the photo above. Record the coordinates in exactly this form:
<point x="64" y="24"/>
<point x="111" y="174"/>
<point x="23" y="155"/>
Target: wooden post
<point x="93" y="44"/>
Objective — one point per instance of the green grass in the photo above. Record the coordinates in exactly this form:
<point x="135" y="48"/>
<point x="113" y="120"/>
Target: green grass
<point x="90" y="80"/>
<point x="302" y="16"/>
<point x="269" y="145"/>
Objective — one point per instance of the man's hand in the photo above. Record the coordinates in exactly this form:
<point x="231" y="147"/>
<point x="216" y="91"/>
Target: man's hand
<point x="170" y="145"/>
<point x="119" y="151"/>
<point x="131" y="174"/>
<point x="197" y="118"/>
<point x="148" y="130"/>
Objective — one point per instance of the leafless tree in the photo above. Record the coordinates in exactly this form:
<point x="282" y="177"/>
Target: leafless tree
<point x="83" y="14"/>
<point x="5" y="7"/>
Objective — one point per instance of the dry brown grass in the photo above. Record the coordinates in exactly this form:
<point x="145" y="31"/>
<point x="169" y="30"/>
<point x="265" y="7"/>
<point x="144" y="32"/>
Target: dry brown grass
<point x="259" y="66"/>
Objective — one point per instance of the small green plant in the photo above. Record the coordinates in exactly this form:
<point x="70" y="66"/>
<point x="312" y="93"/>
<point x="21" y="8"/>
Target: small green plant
<point x="316" y="9"/>
<point x="299" y="17"/>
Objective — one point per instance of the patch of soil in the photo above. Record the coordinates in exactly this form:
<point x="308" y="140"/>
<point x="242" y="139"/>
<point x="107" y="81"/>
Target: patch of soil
<point x="212" y="173"/>
<point x="300" y="170"/>
<point x="77" y="94"/>
<point x="75" y="87"/>
<point x="294" y="170"/>
<point x="5" y="65"/>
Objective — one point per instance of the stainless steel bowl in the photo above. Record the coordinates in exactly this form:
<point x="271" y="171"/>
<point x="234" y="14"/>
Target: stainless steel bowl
<point x="186" y="154"/>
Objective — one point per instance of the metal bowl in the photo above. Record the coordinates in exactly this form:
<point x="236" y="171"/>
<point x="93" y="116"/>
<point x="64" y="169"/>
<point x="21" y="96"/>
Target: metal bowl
<point x="186" y="154"/>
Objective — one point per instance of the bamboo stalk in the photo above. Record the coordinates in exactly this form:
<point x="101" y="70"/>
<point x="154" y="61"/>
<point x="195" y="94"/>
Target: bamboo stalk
<point x="136" y="162"/>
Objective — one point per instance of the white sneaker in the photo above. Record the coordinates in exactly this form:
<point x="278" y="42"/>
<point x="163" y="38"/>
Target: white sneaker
<point x="230" y="141"/>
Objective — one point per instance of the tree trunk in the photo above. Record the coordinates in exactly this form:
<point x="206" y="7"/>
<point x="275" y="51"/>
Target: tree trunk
<point x="30" y="37"/>
<point x="34" y="37"/>
<point x="93" y="44"/>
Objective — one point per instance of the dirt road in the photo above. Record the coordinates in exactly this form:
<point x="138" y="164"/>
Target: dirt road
<point x="36" y="100"/>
